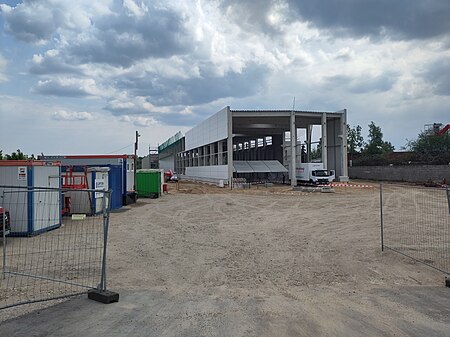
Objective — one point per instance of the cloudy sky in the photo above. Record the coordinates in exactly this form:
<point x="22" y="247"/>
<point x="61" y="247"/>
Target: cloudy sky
<point x="82" y="76"/>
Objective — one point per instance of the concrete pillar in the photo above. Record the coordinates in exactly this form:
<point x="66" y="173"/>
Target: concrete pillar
<point x="230" y="146"/>
<point x="201" y="156"/>
<point x="344" y="159"/>
<point x="211" y="153"/>
<point x="309" y="128"/>
<point x="324" y="141"/>
<point x="220" y="154"/>
<point x="293" y="150"/>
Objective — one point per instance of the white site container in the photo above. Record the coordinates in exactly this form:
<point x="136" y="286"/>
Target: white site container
<point x="90" y="202"/>
<point x="24" y="190"/>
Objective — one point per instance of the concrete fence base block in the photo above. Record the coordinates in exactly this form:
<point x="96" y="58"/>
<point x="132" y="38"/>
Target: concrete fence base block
<point x="106" y="296"/>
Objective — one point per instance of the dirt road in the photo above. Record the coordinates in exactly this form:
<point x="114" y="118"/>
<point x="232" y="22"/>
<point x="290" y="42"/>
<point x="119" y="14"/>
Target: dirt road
<point x="296" y="253"/>
<point x="204" y="261"/>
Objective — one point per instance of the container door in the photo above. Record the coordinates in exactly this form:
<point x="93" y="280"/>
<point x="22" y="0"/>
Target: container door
<point x="115" y="184"/>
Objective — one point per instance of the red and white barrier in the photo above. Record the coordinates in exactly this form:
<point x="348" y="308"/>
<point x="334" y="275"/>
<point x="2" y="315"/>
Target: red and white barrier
<point x="350" y="185"/>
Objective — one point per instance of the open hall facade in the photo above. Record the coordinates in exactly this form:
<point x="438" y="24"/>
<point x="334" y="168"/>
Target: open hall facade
<point x="256" y="144"/>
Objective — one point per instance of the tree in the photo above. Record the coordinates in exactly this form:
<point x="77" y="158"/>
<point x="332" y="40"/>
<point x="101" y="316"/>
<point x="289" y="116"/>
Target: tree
<point x="317" y="152"/>
<point x="354" y="139"/>
<point x="16" y="156"/>
<point x="431" y="148"/>
<point x="376" y="144"/>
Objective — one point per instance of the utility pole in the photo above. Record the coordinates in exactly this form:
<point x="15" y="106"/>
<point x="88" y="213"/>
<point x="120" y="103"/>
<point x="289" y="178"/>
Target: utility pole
<point x="135" y="158"/>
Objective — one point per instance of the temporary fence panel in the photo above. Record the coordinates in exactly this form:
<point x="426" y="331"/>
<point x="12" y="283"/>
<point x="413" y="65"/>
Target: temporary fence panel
<point x="124" y="162"/>
<point x="415" y="221"/>
<point x="66" y="261"/>
<point x="100" y="181"/>
<point x="90" y="203"/>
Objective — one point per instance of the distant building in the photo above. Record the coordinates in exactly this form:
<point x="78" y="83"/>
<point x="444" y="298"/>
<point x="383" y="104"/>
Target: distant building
<point x="255" y="144"/>
<point x="151" y="161"/>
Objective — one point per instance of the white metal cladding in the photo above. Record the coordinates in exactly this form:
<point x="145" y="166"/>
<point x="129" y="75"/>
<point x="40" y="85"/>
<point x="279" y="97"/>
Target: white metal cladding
<point x="211" y="130"/>
<point x="215" y="172"/>
<point x="46" y="203"/>
<point x="16" y="202"/>
<point x="167" y="163"/>
<point x="9" y="176"/>
<point x="130" y="179"/>
<point x="46" y="176"/>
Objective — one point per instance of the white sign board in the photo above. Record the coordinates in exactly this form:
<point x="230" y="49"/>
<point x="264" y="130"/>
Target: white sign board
<point x="22" y="173"/>
<point x="99" y="185"/>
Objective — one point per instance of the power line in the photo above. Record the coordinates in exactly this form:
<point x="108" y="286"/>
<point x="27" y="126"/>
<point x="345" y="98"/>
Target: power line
<point x="121" y="148"/>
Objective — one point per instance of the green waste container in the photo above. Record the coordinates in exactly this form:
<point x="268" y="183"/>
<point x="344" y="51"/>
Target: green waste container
<point x="148" y="184"/>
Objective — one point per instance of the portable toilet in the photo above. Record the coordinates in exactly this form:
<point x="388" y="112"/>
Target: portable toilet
<point x="148" y="183"/>
<point x="30" y="190"/>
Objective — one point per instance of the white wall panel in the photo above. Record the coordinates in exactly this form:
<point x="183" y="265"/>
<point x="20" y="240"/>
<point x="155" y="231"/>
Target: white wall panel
<point x="167" y="163"/>
<point x="211" y="172"/>
<point x="209" y="131"/>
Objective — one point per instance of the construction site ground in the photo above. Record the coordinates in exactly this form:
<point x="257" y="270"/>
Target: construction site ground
<point x="269" y="261"/>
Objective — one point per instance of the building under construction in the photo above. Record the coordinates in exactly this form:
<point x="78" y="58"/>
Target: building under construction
<point x="256" y="145"/>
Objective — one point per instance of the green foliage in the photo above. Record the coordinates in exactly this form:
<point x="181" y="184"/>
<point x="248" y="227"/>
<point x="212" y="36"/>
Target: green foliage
<point x="17" y="155"/>
<point x="376" y="145"/>
<point x="430" y="148"/>
<point x="139" y="163"/>
<point x="355" y="140"/>
<point x="317" y="152"/>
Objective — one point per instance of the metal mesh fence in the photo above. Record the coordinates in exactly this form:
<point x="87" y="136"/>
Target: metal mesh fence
<point x="56" y="243"/>
<point x="415" y="222"/>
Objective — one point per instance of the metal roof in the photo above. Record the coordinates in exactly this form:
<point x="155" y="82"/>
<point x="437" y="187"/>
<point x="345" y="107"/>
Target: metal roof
<point x="289" y="111"/>
<point x="258" y="166"/>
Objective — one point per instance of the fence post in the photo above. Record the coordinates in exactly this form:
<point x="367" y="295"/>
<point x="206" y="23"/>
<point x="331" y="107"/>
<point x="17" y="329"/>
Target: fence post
<point x="4" y="242"/>
<point x="4" y="236"/>
<point x="381" y="217"/>
<point x="448" y="199"/>
<point x="103" y="295"/>
<point x="105" y="240"/>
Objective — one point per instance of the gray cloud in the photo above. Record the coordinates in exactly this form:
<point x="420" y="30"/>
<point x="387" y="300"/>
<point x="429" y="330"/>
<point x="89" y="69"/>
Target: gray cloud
<point x="117" y="37"/>
<point x="120" y="40"/>
<point x="362" y="84"/>
<point x="42" y="65"/>
<point x="65" y="87"/>
<point x="251" y="15"/>
<point x="437" y="75"/>
<point x="192" y="91"/>
<point x="31" y="21"/>
<point x="63" y="115"/>
<point x="399" y="19"/>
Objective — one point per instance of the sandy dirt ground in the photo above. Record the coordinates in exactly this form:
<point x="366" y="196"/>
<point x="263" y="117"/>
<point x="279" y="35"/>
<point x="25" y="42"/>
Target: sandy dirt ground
<point x="286" y="263"/>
